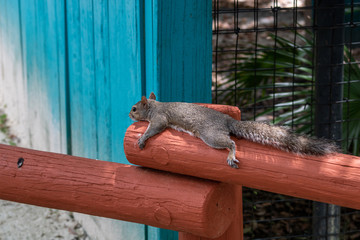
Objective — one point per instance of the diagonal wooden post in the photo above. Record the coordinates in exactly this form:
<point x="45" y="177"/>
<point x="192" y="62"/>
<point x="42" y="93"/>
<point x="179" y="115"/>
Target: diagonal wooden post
<point x="160" y="154"/>
<point x="235" y="230"/>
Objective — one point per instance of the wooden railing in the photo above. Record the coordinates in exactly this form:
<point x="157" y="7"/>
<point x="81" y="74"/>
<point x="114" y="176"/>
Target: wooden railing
<point x="204" y="204"/>
<point x="332" y="179"/>
<point x="113" y="190"/>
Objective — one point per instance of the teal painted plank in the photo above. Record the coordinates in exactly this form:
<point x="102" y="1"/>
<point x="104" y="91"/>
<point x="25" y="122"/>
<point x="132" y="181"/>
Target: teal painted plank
<point x="28" y="10"/>
<point x="13" y="89"/>
<point x="125" y="68"/>
<point x="150" y="51"/>
<point x="59" y="15"/>
<point x="36" y="81"/>
<point x="102" y="77"/>
<point x="54" y="66"/>
<point x="87" y="81"/>
<point x="10" y="34"/>
<point x="43" y="60"/>
<point x="10" y="41"/>
<point x="3" y="41"/>
<point x="74" y="74"/>
<point x="154" y="233"/>
<point x="197" y="52"/>
<point x="74" y="77"/>
<point x="82" y="78"/>
<point x="179" y="44"/>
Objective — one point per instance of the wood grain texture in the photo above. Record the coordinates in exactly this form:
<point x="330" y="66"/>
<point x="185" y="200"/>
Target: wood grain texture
<point x="332" y="179"/>
<point x="181" y="203"/>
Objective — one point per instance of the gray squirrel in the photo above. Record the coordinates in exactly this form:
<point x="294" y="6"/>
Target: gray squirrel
<point x="215" y="128"/>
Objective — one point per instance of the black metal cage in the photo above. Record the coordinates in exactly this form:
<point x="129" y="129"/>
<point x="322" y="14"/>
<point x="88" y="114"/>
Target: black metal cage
<point x="295" y="63"/>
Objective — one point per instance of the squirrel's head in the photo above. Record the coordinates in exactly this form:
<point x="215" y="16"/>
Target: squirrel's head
<point x="139" y="111"/>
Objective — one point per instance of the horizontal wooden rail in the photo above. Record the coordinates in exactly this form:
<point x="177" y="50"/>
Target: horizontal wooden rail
<point x="332" y="179"/>
<point x="172" y="201"/>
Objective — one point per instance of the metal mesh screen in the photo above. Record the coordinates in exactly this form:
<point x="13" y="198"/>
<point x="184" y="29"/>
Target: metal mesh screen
<point x="284" y="61"/>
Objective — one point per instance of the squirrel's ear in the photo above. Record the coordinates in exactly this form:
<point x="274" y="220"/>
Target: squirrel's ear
<point x="144" y="101"/>
<point x="152" y="96"/>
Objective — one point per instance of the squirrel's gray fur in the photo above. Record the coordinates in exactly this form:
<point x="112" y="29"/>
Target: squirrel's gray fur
<point x="215" y="128"/>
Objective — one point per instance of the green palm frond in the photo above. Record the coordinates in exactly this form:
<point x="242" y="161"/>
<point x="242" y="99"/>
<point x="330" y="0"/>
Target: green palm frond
<point x="285" y="77"/>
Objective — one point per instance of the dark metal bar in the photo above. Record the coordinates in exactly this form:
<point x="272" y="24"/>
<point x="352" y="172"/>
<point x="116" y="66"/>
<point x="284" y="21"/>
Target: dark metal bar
<point x="329" y="55"/>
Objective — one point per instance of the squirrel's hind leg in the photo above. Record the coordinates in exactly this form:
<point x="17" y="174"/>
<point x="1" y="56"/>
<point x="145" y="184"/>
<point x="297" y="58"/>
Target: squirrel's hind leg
<point x="221" y="140"/>
<point x="231" y="160"/>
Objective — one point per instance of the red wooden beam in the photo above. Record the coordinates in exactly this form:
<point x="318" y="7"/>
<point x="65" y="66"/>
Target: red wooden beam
<point x="107" y="189"/>
<point x="332" y="179"/>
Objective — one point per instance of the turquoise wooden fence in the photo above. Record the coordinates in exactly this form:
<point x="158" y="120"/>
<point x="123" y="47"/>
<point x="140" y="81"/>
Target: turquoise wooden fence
<point x="83" y="63"/>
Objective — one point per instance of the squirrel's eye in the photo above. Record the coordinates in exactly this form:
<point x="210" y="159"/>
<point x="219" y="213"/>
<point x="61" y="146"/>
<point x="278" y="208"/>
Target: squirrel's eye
<point x="134" y="109"/>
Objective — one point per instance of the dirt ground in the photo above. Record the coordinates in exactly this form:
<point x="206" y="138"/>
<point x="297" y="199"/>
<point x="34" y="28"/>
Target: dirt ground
<point x="22" y="221"/>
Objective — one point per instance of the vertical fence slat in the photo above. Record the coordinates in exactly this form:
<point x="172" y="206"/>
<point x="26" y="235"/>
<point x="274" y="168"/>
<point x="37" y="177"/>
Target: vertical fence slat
<point x="82" y="78"/>
<point x="12" y="80"/>
<point x="43" y="64"/>
<point x="235" y="230"/>
<point x="125" y="69"/>
<point x="102" y="77"/>
<point x="178" y="37"/>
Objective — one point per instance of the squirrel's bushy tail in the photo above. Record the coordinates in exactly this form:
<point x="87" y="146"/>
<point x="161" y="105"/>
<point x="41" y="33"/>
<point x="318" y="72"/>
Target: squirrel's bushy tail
<point x="282" y="138"/>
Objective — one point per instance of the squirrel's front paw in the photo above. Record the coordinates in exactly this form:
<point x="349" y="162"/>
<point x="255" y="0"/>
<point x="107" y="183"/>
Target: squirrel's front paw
<point x="141" y="144"/>
<point x="232" y="163"/>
